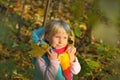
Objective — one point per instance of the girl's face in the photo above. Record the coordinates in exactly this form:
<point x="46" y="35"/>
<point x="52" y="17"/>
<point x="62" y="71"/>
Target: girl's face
<point x="59" y="40"/>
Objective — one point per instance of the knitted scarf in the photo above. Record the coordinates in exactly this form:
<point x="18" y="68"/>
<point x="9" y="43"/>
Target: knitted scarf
<point x="65" y="62"/>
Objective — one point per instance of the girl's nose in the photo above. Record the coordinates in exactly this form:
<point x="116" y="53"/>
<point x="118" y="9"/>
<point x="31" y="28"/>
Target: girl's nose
<point x="60" y="41"/>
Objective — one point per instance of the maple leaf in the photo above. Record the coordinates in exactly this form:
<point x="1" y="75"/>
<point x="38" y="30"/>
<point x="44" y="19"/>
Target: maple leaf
<point x="38" y="51"/>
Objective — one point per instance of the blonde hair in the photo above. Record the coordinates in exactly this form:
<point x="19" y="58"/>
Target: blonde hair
<point x="54" y="26"/>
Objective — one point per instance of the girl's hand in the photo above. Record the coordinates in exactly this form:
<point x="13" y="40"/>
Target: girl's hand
<point x="71" y="50"/>
<point x="52" y="55"/>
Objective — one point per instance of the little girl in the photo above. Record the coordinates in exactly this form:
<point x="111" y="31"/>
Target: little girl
<point x="59" y="62"/>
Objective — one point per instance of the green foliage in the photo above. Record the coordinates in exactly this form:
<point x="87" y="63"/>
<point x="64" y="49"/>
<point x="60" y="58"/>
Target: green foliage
<point x="85" y="68"/>
<point x="78" y="32"/>
<point x="23" y="47"/>
<point x="92" y="18"/>
<point x="0" y="0"/>
<point x="93" y="64"/>
<point x="6" y="68"/>
<point x="6" y="32"/>
<point x="77" y="9"/>
<point x="100" y="49"/>
<point x="9" y="69"/>
<point x="9" y="44"/>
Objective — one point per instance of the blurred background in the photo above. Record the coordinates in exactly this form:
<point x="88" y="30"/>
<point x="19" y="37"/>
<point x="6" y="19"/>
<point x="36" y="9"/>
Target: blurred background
<point x="95" y="31"/>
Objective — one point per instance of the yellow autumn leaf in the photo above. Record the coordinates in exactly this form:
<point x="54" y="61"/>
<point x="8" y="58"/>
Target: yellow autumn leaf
<point x="40" y="12"/>
<point x="38" y="51"/>
<point x="24" y="31"/>
<point x="27" y="16"/>
<point x="83" y="26"/>
<point x="26" y="8"/>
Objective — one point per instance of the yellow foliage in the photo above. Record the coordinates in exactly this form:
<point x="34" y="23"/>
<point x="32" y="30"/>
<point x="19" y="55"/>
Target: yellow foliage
<point x="1" y="47"/>
<point x="24" y="31"/>
<point x="83" y="26"/>
<point x="26" y="8"/>
<point x="40" y="12"/>
<point x="27" y="16"/>
<point x="38" y="51"/>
